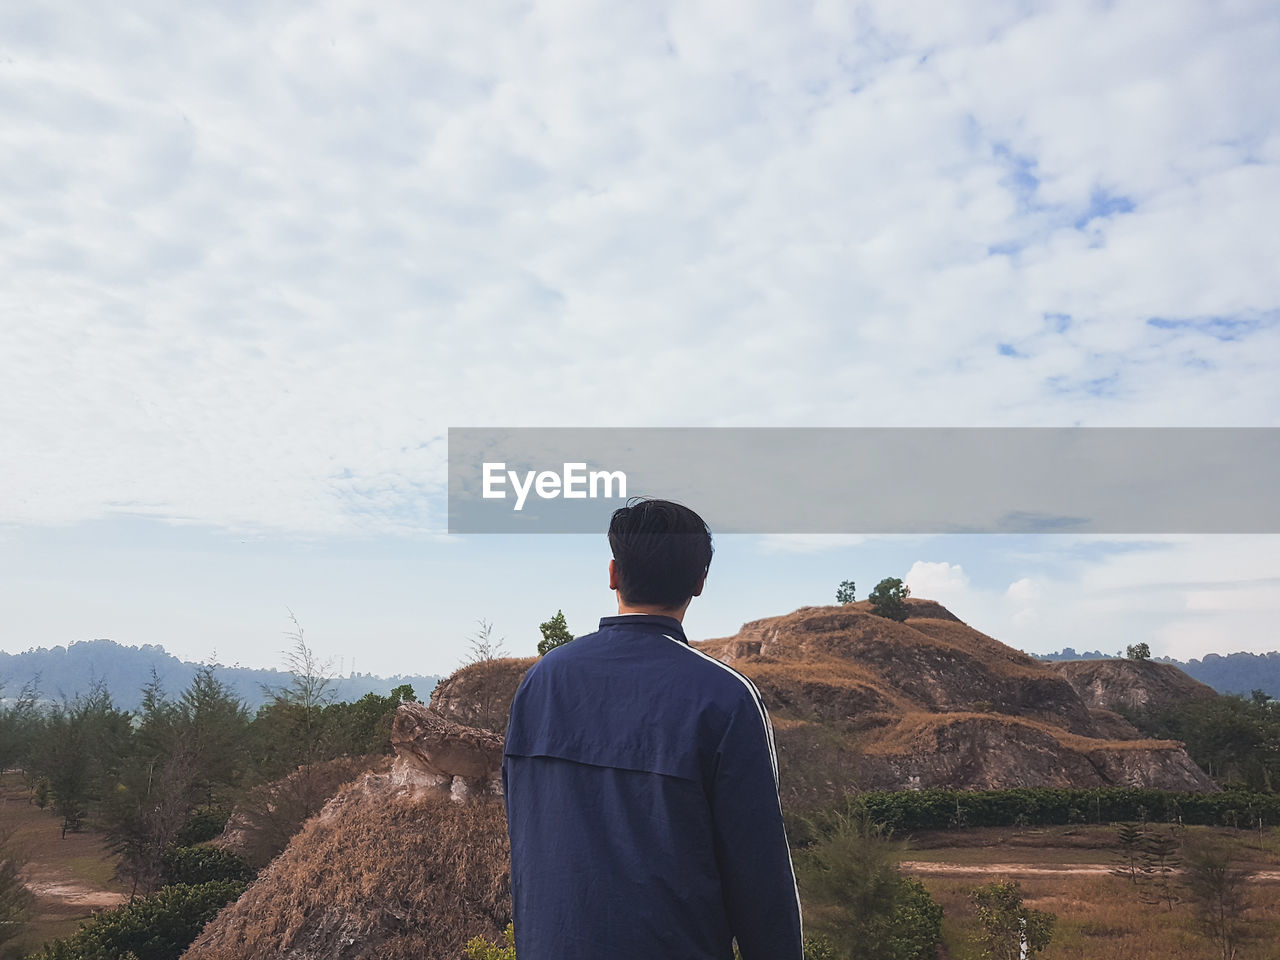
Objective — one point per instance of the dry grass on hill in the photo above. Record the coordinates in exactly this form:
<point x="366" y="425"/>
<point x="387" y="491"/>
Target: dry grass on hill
<point x="917" y="731"/>
<point x="480" y="694"/>
<point x="933" y="661"/>
<point x="376" y="877"/>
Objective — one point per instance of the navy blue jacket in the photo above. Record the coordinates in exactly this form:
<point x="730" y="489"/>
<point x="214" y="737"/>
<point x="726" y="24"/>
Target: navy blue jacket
<point x="642" y="802"/>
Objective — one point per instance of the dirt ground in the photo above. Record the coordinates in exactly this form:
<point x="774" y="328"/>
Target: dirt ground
<point x="71" y="877"/>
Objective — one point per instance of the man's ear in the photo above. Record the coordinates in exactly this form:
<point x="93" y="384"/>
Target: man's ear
<point x="697" y="592"/>
<point x="613" y="575"/>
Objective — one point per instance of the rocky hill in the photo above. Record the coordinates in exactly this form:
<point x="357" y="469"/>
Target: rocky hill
<point x="861" y="702"/>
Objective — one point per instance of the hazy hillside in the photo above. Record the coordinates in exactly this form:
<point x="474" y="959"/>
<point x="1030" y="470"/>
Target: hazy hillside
<point x="64" y="672"/>
<point x="1234" y="673"/>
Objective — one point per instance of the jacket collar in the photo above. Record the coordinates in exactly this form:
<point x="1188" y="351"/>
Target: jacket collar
<point x="647" y="622"/>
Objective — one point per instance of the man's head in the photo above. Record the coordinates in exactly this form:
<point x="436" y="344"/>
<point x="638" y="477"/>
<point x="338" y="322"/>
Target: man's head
<point x="661" y="552"/>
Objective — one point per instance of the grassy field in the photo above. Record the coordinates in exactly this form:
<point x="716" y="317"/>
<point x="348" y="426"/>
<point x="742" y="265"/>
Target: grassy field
<point x="71" y="877"/>
<point x="1066" y="871"/>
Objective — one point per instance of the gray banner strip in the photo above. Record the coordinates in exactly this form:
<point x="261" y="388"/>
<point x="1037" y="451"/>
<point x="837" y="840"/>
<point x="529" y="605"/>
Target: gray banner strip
<point x="872" y="480"/>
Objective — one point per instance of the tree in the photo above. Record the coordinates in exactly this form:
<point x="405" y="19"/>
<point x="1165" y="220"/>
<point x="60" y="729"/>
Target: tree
<point x="81" y="748"/>
<point x="1234" y="739"/>
<point x="363" y="727"/>
<point x="889" y="599"/>
<point x="19" y="722"/>
<point x="144" y="814"/>
<point x="293" y="720"/>
<point x="1009" y="931"/>
<point x="845" y="592"/>
<point x="481" y="647"/>
<point x="404" y="694"/>
<point x="554" y="633"/>
<point x="1138" y="651"/>
<point x="15" y="898"/>
<point x="1129" y="840"/>
<point x="1160" y="861"/>
<point x="213" y="722"/>
<point x="149" y="798"/>
<point x="1219" y="886"/>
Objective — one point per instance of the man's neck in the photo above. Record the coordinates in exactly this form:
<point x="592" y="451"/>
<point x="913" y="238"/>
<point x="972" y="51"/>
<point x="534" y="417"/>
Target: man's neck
<point x="675" y="613"/>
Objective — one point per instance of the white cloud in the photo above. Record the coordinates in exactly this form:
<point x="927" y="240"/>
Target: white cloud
<point x="258" y="258"/>
<point x="1183" y="595"/>
<point x="941" y="581"/>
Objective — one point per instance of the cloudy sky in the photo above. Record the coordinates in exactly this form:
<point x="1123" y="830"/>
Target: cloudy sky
<point x="256" y="258"/>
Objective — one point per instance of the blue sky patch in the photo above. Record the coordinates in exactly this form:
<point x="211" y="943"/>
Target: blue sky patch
<point x="1220" y="328"/>
<point x="1103" y="204"/>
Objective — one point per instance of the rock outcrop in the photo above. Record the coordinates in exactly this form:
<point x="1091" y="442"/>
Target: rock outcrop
<point x="1131" y="684"/>
<point x="433" y="750"/>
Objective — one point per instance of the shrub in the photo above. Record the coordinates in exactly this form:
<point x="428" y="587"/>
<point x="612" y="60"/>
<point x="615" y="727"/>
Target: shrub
<point x="203" y="864"/>
<point x="478" y="948"/>
<point x="941" y="808"/>
<point x="1009" y="931"/>
<point x="203" y="824"/>
<point x="158" y="927"/>
<point x="819" y="948"/>
<point x="859" y="903"/>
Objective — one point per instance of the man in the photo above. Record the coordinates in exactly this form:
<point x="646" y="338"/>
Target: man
<point x="641" y="779"/>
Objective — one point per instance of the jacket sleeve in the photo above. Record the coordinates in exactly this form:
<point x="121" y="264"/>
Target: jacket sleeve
<point x="751" y="845"/>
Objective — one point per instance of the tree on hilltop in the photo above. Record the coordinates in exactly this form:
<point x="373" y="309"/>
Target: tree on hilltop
<point x="889" y="599"/>
<point x="554" y="633"/>
<point x="845" y="592"/>
<point x="1138" y="651"/>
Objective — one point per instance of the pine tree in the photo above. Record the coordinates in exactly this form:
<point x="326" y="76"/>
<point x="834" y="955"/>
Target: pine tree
<point x="1160" y="860"/>
<point x="1129" y="842"/>
<point x="554" y="633"/>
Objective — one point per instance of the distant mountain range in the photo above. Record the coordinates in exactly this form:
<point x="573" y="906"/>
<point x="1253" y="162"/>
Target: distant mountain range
<point x="64" y="672"/>
<point x="1235" y="673"/>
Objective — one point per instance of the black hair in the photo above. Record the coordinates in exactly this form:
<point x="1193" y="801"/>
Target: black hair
<point x="661" y="551"/>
